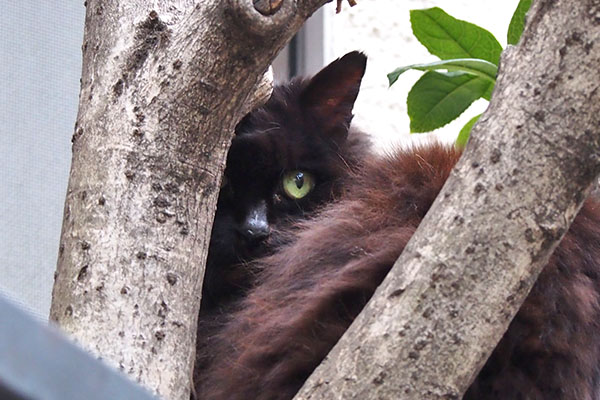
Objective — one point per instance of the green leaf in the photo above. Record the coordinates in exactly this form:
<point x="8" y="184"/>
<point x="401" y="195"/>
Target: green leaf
<point x="481" y="68"/>
<point x="517" y="22"/>
<point x="488" y="93"/>
<point x="447" y="37"/>
<point x="438" y="98"/>
<point x="465" y="132"/>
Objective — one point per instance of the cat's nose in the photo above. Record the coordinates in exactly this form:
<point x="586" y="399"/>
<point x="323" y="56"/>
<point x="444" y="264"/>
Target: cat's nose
<point x="256" y="226"/>
<point x="255" y="233"/>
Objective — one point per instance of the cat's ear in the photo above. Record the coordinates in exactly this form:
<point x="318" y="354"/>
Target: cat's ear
<point x="330" y="94"/>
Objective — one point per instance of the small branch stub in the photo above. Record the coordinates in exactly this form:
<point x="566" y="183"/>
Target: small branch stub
<point x="267" y="7"/>
<point x="338" y="8"/>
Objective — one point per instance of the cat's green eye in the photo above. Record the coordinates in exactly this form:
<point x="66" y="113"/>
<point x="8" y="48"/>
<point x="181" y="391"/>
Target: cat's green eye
<point x="297" y="184"/>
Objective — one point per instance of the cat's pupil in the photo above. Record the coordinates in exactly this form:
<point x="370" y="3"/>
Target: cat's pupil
<point x="299" y="180"/>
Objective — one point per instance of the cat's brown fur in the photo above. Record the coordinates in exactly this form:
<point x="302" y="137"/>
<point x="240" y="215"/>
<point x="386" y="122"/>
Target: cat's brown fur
<point x="312" y="289"/>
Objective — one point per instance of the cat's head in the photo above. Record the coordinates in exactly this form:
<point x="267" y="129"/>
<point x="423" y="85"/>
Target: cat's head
<point x="287" y="158"/>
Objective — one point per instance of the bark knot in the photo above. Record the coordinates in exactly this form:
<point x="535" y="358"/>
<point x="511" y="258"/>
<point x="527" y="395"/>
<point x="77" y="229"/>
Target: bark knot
<point x="267" y="7"/>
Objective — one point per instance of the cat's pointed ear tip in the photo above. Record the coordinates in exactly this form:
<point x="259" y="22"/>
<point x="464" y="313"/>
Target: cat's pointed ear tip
<point x="357" y="57"/>
<point x="356" y="54"/>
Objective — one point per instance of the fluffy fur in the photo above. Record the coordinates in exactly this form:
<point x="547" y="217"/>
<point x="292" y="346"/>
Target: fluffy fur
<point x="311" y="290"/>
<point x="304" y="126"/>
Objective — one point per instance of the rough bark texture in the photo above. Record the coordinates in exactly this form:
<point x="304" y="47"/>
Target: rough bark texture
<point x="531" y="160"/>
<point x="596" y="191"/>
<point x="163" y="85"/>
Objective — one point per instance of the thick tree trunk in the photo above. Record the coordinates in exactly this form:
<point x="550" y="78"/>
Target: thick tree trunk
<point x="532" y="159"/>
<point x="163" y="86"/>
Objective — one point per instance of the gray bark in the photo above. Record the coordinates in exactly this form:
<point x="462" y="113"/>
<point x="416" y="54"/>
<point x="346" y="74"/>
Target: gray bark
<point x="532" y="159"/>
<point x="596" y="191"/>
<point x="163" y="85"/>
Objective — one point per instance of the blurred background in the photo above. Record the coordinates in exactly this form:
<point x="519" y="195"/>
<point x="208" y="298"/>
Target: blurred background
<point x="40" y="51"/>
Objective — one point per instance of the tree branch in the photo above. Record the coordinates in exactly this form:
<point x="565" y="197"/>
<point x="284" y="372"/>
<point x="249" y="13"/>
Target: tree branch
<point x="260" y="94"/>
<point x="528" y="167"/>
<point x="163" y="85"/>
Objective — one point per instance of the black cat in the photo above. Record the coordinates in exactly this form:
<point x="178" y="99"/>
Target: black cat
<point x="308" y="292"/>
<point x="288" y="157"/>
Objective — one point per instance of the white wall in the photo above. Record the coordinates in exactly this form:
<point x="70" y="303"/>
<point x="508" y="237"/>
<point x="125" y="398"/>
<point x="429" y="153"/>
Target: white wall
<point x="381" y="28"/>
<point x="40" y="69"/>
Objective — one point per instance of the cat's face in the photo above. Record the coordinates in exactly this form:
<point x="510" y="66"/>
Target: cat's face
<point x="286" y="159"/>
<point x="277" y="170"/>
